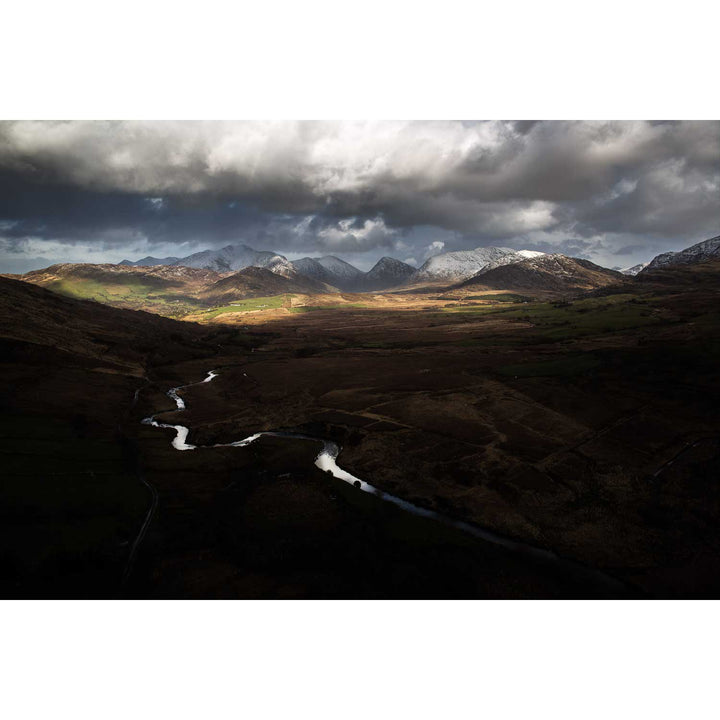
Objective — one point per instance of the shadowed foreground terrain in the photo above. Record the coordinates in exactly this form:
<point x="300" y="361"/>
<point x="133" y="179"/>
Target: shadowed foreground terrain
<point x="586" y="427"/>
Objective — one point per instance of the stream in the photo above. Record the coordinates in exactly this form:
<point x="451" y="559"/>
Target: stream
<point x="326" y="461"/>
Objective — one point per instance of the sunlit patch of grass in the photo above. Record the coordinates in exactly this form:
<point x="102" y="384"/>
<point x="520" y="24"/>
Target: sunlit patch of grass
<point x="130" y="294"/>
<point x="247" y="305"/>
<point x="89" y="289"/>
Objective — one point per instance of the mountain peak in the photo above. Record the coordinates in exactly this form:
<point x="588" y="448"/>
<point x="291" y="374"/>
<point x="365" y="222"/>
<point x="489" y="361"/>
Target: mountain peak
<point x="700" y="252"/>
<point x="549" y="273"/>
<point x="463" y="264"/>
<point x="386" y="273"/>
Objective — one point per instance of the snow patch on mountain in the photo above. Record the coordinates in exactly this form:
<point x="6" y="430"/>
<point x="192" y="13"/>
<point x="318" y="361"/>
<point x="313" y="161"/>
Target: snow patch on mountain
<point x="463" y="264"/>
<point x="635" y="269"/>
<point x="338" y="267"/>
<point x="237" y="257"/>
<point x="700" y="252"/>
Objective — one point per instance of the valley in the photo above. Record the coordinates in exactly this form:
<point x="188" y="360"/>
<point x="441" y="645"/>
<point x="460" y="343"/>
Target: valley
<point x="578" y="422"/>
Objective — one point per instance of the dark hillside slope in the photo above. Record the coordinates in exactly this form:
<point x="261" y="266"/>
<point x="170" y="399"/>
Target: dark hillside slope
<point x="546" y="274"/>
<point x="72" y="500"/>
<point x="259" y="282"/>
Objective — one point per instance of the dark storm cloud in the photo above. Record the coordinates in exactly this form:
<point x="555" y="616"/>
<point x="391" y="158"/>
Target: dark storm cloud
<point x="584" y="187"/>
<point x="629" y="249"/>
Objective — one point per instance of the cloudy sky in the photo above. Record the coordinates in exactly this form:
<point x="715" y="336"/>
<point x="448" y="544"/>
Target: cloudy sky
<point x="616" y="193"/>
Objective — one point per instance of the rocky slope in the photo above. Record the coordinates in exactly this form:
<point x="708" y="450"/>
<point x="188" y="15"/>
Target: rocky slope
<point x="160" y="276"/>
<point x="260" y="282"/>
<point x="237" y="257"/>
<point x="387" y="273"/>
<point x="548" y="273"/>
<point x="635" y="269"/>
<point x="331" y="270"/>
<point x="700" y="252"/>
<point x="463" y="264"/>
<point x="226" y="259"/>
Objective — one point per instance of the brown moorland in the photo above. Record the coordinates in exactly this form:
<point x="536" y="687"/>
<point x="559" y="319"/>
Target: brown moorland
<point x="585" y="426"/>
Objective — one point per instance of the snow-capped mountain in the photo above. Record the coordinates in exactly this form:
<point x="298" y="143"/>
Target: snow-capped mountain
<point x="338" y="267"/>
<point x="331" y="270"/>
<point x="310" y="267"/>
<point x="228" y="259"/>
<point x="635" y="269"/>
<point x="237" y="257"/>
<point x="463" y="264"/>
<point x="546" y="273"/>
<point x="387" y="273"/>
<point x="700" y="252"/>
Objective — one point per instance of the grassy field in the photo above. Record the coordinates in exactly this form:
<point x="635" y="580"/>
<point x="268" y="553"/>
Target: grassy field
<point x="132" y="294"/>
<point x="248" y="305"/>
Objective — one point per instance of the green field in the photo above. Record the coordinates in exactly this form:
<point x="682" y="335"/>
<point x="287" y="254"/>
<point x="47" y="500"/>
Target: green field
<point x="131" y="293"/>
<point x="249" y="305"/>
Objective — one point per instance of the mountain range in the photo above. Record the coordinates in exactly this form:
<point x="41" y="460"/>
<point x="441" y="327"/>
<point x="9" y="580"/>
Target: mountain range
<point x="386" y="274"/>
<point x="178" y="286"/>
<point x="389" y="272"/>
<point x="327" y="270"/>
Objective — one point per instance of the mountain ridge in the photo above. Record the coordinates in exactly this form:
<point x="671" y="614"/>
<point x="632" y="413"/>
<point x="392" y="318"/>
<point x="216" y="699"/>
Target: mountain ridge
<point x="461" y="265"/>
<point x="700" y="252"/>
<point x="549" y="273"/>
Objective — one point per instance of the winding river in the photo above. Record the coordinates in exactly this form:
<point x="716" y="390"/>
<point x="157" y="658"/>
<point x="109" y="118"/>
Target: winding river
<point x="327" y="461"/>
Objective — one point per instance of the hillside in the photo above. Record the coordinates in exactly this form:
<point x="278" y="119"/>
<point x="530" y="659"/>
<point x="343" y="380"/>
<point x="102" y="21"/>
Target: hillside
<point x="700" y="252"/>
<point x="78" y="329"/>
<point x="259" y="282"/>
<point x="311" y="268"/>
<point x="387" y="273"/>
<point x="72" y="497"/>
<point x="635" y="269"/>
<point x="236" y="257"/>
<point x="227" y="259"/>
<point x="331" y="270"/>
<point x="463" y="264"/>
<point x="683" y="277"/>
<point x="545" y="274"/>
<point x="166" y="290"/>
